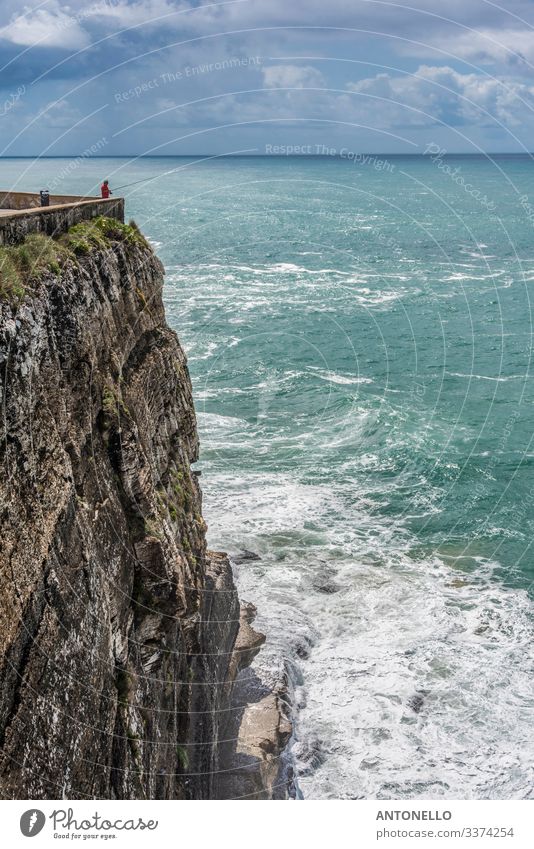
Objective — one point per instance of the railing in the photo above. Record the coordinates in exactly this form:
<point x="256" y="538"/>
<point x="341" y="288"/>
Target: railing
<point x="22" y="214"/>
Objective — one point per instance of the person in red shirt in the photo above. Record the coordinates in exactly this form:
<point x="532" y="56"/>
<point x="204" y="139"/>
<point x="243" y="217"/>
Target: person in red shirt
<point x="105" y="189"/>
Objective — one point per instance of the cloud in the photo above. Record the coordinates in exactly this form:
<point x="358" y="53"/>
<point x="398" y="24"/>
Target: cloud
<point x="399" y="105"/>
<point x="59" y="115"/>
<point x="51" y="27"/>
<point x="511" y="47"/>
<point x="116" y="45"/>
<point x="292" y="76"/>
<point x="123" y="14"/>
<point x="441" y="94"/>
<point x="115" y="31"/>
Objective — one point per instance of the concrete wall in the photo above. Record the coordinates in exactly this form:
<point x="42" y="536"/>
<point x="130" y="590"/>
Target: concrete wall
<point x="54" y="220"/>
<point x="30" y="200"/>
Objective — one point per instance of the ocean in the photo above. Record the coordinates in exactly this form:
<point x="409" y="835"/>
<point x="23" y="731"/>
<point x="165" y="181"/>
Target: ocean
<point x="359" y="336"/>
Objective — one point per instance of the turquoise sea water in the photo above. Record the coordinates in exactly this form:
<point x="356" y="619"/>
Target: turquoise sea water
<point x="360" y="344"/>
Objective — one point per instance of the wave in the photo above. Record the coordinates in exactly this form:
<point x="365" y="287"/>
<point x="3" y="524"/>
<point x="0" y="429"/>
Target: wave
<point x="429" y="661"/>
<point x="499" y="379"/>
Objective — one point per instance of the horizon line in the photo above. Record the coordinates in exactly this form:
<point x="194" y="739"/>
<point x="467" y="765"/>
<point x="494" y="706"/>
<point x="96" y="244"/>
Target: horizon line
<point x="486" y="154"/>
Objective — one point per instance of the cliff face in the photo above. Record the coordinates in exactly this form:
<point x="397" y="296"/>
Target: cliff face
<point x="117" y="628"/>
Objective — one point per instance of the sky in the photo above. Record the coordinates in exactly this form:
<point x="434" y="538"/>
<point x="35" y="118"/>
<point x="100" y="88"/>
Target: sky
<point x="165" y="77"/>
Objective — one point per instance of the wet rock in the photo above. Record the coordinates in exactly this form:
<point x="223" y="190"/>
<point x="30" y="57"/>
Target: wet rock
<point x="244" y="556"/>
<point x="258" y="729"/>
<point x="417" y="701"/>
<point x="309" y="756"/>
<point x="324" y="579"/>
<point x="326" y="587"/>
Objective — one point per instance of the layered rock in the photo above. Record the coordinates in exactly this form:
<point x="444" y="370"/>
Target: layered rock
<point x="253" y="763"/>
<point x="117" y="627"/>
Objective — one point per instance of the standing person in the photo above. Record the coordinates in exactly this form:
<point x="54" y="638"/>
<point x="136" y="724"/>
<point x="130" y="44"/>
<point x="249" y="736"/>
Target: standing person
<point x="105" y="189"/>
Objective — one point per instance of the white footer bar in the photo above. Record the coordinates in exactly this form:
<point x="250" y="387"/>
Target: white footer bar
<point x="274" y="825"/>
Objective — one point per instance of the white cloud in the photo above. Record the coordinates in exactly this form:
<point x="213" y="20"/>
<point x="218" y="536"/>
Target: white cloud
<point x="512" y="47"/>
<point x="124" y="14"/>
<point x="385" y="102"/>
<point x="60" y="115"/>
<point x="51" y="27"/>
<point x="437" y="94"/>
<point x="292" y="76"/>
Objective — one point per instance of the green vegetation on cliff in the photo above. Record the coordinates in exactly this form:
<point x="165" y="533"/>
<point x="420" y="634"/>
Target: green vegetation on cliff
<point x="22" y="265"/>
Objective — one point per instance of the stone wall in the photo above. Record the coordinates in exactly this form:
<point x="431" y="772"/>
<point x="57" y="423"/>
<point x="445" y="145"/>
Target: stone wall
<point x="54" y="220"/>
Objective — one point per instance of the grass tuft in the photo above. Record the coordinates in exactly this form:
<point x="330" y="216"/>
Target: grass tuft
<point x="22" y="265"/>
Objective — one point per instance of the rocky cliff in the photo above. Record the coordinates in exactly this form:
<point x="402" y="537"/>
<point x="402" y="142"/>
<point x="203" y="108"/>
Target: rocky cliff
<point x="120" y="634"/>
